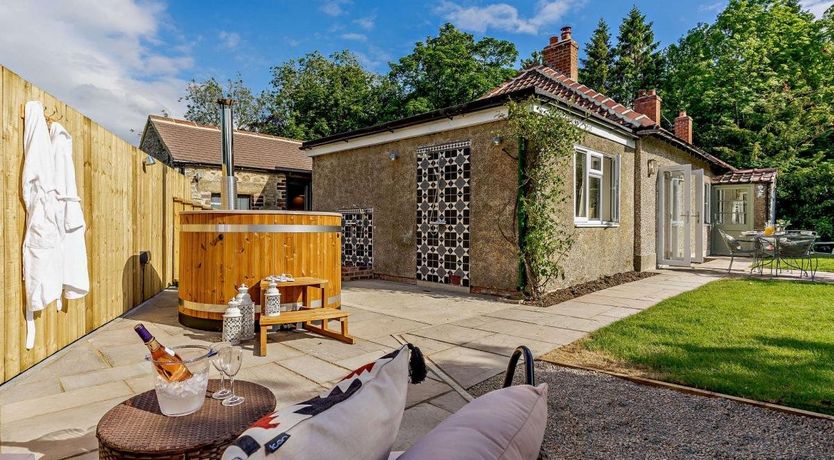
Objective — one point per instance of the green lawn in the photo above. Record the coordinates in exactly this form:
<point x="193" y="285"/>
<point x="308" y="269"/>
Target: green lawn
<point x="761" y="339"/>
<point x="826" y="263"/>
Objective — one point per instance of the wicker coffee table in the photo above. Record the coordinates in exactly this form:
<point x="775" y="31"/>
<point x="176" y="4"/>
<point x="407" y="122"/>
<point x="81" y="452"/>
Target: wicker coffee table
<point x="137" y="429"/>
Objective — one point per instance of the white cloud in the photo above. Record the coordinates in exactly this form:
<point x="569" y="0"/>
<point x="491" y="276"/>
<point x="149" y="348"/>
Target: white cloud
<point x="712" y="7"/>
<point x="817" y="7"/>
<point x="104" y="59"/>
<point x="502" y="16"/>
<point x="333" y="7"/>
<point x="366" y="23"/>
<point x="354" y="36"/>
<point x="229" y="40"/>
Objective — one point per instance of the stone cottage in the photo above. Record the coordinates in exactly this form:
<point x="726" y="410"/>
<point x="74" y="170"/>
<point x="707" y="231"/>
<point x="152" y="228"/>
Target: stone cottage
<point x="429" y="198"/>
<point x="272" y="172"/>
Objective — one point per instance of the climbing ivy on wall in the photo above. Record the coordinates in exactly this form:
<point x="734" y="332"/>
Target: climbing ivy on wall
<point x="546" y="139"/>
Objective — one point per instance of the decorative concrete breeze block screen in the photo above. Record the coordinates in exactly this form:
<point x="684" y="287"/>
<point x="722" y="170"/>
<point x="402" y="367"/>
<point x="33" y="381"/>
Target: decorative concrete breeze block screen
<point x="357" y="237"/>
<point x="443" y="213"/>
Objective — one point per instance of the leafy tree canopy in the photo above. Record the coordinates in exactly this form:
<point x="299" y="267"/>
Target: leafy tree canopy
<point x="637" y="63"/>
<point x="759" y="84"/>
<point x="451" y="68"/>
<point x="317" y="96"/>
<point x="201" y="103"/>
<point x="596" y="71"/>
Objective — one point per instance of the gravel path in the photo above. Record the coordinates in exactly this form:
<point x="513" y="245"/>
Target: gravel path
<point x="594" y="415"/>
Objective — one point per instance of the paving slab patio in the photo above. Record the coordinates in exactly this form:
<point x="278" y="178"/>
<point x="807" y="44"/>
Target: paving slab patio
<point x="52" y="409"/>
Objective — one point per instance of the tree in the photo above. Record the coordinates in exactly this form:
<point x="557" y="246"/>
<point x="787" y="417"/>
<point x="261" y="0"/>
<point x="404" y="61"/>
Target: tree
<point x="637" y="63"/>
<point x="201" y="103"/>
<point x="759" y="84"/>
<point x="316" y="96"/>
<point x="535" y="59"/>
<point x="596" y="68"/>
<point x="450" y="69"/>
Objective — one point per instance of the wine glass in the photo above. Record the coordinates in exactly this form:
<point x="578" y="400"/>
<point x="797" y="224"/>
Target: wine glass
<point x="231" y="358"/>
<point x="216" y="350"/>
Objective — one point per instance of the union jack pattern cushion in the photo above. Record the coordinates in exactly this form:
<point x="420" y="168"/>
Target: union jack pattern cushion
<point x="358" y="418"/>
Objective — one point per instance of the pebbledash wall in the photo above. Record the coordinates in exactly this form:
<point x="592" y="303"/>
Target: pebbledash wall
<point x="664" y="154"/>
<point x="366" y="177"/>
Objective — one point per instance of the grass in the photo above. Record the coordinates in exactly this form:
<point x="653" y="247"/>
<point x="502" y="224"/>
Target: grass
<point x="826" y="262"/>
<point x="761" y="339"/>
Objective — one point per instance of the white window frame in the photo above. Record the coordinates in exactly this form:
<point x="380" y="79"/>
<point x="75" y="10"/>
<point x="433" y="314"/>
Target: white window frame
<point x="597" y="173"/>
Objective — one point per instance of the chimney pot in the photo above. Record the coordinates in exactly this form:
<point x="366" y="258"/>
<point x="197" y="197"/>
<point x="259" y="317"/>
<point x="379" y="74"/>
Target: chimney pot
<point x="563" y="55"/>
<point x="648" y="103"/>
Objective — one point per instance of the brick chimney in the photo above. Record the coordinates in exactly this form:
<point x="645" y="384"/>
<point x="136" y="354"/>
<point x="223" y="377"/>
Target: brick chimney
<point x="683" y="127"/>
<point x="563" y="54"/>
<point x="648" y="103"/>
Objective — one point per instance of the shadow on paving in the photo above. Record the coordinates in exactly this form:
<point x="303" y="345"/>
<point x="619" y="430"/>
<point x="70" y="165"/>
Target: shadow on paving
<point x="594" y="415"/>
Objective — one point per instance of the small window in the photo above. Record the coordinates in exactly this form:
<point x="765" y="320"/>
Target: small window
<point x="243" y="201"/>
<point x="707" y="200"/>
<point x="596" y="188"/>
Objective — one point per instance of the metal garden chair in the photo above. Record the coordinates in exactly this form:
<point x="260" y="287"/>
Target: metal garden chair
<point x="736" y="246"/>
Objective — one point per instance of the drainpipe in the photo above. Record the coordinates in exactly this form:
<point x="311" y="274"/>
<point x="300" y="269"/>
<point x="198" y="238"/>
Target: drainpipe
<point x="228" y="186"/>
<point x="521" y="217"/>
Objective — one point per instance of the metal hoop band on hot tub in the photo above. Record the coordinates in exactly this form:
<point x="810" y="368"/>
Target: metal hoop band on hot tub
<point x="259" y="228"/>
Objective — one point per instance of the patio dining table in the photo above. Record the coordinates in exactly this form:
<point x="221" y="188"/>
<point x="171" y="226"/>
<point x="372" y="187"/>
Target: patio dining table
<point x="783" y="249"/>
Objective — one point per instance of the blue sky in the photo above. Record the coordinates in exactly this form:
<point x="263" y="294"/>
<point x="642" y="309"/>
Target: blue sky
<point x="254" y="38"/>
<point x="119" y="60"/>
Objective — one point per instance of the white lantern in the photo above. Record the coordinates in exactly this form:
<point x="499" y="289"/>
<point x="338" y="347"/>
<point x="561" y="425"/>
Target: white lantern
<point x="272" y="299"/>
<point x="247" y="311"/>
<point x="232" y="323"/>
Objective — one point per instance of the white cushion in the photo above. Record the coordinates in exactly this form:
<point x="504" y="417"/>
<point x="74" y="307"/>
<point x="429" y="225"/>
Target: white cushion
<point x="358" y="419"/>
<point x="506" y="424"/>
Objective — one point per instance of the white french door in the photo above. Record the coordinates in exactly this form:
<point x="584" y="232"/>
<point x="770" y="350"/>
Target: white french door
<point x="698" y="215"/>
<point x="674" y="233"/>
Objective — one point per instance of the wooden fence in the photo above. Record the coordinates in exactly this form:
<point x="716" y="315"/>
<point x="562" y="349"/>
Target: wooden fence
<point x="129" y="207"/>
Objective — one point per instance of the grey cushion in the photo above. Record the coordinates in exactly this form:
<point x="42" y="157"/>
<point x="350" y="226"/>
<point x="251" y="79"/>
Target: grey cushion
<point x="506" y="424"/>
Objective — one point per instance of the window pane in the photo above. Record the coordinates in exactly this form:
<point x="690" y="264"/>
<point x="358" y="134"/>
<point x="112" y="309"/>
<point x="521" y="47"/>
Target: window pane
<point x="596" y="163"/>
<point x="608" y="198"/>
<point x="215" y="201"/>
<point x="579" y="182"/>
<point x="243" y="201"/>
<point x="594" y="198"/>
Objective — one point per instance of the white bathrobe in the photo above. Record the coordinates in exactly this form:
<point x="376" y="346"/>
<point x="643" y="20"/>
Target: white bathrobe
<point x="54" y="255"/>
<point x="76" y="281"/>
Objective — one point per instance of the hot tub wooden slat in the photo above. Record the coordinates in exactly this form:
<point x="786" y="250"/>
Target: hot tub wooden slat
<point x="213" y="263"/>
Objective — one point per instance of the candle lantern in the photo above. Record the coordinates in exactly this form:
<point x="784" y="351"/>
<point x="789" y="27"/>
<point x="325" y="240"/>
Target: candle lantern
<point x="272" y="299"/>
<point x="232" y="323"/>
<point x="247" y="311"/>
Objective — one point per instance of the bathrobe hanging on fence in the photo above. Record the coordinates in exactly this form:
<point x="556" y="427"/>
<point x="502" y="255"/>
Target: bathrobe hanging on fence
<point x="48" y="220"/>
<point x="76" y="281"/>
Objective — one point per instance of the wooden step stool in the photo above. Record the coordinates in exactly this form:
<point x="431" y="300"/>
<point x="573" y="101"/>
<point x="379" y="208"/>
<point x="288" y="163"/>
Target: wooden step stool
<point x="307" y="316"/>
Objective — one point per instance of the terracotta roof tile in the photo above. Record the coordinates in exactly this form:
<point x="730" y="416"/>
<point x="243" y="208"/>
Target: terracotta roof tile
<point x="189" y="142"/>
<point x="747" y="176"/>
<point x="573" y="93"/>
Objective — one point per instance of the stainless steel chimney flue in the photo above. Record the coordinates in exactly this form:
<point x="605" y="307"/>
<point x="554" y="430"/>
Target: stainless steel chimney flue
<point x="228" y="185"/>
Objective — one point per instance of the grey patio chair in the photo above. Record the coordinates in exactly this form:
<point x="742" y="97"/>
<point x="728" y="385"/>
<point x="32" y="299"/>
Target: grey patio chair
<point x="736" y="247"/>
<point x="795" y="251"/>
<point x="766" y="254"/>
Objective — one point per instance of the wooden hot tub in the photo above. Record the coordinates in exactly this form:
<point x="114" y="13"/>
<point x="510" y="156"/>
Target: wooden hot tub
<point x="218" y="250"/>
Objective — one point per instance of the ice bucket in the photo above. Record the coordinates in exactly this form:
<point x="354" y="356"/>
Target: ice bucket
<point x="187" y="396"/>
